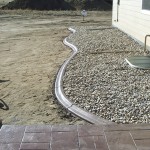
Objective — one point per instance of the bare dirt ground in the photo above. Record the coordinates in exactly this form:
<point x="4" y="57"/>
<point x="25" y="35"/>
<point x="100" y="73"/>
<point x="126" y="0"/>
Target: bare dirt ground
<point x="31" y="53"/>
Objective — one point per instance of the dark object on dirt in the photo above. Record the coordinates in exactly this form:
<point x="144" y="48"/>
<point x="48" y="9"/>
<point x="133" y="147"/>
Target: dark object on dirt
<point x="0" y="123"/>
<point x="3" y="105"/>
<point x="39" y="5"/>
<point x="1" y="81"/>
<point x="91" y="4"/>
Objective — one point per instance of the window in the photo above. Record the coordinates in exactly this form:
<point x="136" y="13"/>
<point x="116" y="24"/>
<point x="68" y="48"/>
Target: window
<point x="146" y="4"/>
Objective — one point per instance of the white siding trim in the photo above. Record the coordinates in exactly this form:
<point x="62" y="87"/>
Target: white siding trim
<point x="146" y="12"/>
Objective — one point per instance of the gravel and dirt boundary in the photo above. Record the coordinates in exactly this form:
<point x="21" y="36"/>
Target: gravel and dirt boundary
<point x="31" y="53"/>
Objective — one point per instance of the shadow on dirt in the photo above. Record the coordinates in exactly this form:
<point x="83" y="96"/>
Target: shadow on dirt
<point x="1" y="81"/>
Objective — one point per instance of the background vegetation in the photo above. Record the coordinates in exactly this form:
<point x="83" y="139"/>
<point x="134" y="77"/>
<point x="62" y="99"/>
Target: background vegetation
<point x="59" y="4"/>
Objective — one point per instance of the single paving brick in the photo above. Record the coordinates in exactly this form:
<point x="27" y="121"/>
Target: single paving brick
<point x="143" y="144"/>
<point x="38" y="128"/>
<point x="37" y="138"/>
<point x="90" y="130"/>
<point x="64" y="141"/>
<point x="64" y="128"/>
<point x="120" y="140"/>
<point x="100" y="143"/>
<point x="11" y="146"/>
<point x="140" y="134"/>
<point x="87" y="143"/>
<point x="11" y="134"/>
<point x="35" y="146"/>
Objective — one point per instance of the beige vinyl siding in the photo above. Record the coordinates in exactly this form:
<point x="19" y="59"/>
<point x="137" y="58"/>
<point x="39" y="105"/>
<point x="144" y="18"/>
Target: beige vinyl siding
<point x="131" y="19"/>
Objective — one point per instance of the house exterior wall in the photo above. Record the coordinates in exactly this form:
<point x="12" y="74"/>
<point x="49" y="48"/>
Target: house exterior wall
<point x="132" y="19"/>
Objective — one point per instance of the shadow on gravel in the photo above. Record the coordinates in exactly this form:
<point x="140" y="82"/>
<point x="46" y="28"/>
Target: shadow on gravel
<point x="99" y="29"/>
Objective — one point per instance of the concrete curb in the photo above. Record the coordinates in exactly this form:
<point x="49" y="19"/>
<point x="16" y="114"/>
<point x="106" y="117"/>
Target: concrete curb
<point x="62" y="98"/>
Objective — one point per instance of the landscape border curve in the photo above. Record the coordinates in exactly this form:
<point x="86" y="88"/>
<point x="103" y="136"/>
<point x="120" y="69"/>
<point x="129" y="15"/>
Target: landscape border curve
<point x="62" y="98"/>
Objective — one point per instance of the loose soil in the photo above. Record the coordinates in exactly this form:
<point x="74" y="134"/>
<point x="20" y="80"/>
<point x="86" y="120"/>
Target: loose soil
<point x="31" y="53"/>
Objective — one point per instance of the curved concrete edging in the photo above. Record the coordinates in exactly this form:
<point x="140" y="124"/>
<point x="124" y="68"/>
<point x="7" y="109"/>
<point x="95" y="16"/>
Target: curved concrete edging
<point x="62" y="98"/>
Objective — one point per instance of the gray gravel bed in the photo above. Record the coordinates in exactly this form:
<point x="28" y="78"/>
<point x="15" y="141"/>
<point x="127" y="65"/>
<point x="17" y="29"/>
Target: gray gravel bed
<point x="99" y="80"/>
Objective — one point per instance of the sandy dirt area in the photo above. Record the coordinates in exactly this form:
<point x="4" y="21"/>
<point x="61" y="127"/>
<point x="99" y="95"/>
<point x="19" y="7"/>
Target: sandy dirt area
<point x="31" y="53"/>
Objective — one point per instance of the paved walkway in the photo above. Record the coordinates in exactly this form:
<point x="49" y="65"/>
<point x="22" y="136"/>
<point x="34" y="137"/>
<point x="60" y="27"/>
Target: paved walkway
<point x="72" y="137"/>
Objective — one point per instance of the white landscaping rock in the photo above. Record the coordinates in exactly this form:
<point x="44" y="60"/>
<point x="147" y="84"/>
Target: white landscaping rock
<point x="99" y="80"/>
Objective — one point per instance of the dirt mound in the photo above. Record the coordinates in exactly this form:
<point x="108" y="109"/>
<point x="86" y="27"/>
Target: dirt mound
<point x="58" y="4"/>
<point x="91" y="4"/>
<point x="39" y="5"/>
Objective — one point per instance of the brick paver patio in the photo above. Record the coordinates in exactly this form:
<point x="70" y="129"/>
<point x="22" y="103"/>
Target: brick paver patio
<point x="72" y="137"/>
